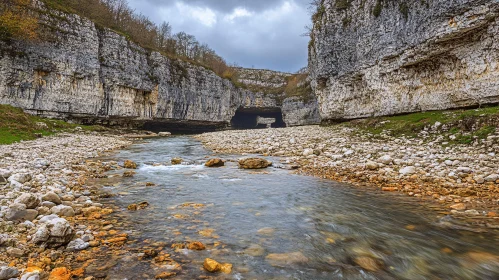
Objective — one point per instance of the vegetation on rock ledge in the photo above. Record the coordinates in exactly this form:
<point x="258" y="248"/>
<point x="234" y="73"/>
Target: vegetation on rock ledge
<point x="460" y="126"/>
<point x="15" y="126"/>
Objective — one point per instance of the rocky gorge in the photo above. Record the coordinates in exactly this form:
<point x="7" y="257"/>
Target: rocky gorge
<point x="91" y="74"/>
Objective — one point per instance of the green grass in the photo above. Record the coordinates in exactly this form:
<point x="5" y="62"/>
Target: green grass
<point x="15" y="126"/>
<point x="466" y="125"/>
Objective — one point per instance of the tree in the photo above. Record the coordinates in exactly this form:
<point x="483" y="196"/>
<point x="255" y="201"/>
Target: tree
<point x="164" y="33"/>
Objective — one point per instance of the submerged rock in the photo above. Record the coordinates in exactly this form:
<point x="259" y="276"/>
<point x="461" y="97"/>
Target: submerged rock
<point x="130" y="164"/>
<point x="368" y="263"/>
<point x="212" y="265"/>
<point x="286" y="259"/>
<point x="196" y="245"/>
<point x="129" y="174"/>
<point x="139" y="206"/>
<point x="215" y="162"/>
<point x="176" y="161"/>
<point x="254" y="163"/>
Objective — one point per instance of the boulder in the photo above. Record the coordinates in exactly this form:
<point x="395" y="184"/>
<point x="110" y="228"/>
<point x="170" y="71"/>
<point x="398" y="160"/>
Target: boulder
<point x="53" y="232"/>
<point x="15" y="212"/>
<point x="254" y="163"/>
<point x="5" y="173"/>
<point x="215" y="162"/>
<point x="130" y="164"/>
<point x="30" y="200"/>
<point x="20" y="177"/>
<point x="371" y="165"/>
<point x="164" y="134"/>
<point x="176" y="161"/>
<point x="63" y="211"/>
<point x="386" y="159"/>
<point x="213" y="266"/>
<point x="308" y="152"/>
<point x="196" y="245"/>
<point x="77" y="245"/>
<point x="31" y="276"/>
<point x="407" y="170"/>
<point x="7" y="272"/>
<point x="3" y="181"/>
<point x="52" y="197"/>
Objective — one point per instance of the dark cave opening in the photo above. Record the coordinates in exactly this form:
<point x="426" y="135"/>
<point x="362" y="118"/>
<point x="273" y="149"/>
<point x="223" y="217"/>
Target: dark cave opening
<point x="255" y="118"/>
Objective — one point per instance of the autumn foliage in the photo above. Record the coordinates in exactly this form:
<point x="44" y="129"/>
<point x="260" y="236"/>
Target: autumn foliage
<point x="118" y="16"/>
<point x="17" y="20"/>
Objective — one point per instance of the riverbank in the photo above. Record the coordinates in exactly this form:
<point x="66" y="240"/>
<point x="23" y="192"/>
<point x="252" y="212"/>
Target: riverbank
<point x="45" y="202"/>
<point x="462" y="179"/>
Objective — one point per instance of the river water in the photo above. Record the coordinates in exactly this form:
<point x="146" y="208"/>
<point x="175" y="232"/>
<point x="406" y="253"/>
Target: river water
<point x="272" y="224"/>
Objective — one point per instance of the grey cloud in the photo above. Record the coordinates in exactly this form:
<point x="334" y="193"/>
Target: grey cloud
<point x="257" y="40"/>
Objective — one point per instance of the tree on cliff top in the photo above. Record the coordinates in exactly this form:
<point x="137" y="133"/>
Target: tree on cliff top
<point x="17" y="20"/>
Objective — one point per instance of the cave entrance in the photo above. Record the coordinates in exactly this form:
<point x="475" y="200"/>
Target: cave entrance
<point x="255" y="118"/>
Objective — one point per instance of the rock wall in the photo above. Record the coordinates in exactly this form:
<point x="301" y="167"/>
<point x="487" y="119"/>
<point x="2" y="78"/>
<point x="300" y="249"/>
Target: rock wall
<point x="380" y="57"/>
<point x="296" y="111"/>
<point x="95" y="75"/>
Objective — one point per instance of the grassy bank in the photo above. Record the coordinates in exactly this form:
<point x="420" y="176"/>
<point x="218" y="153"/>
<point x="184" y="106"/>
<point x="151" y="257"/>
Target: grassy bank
<point x="465" y="125"/>
<point x="15" y="126"/>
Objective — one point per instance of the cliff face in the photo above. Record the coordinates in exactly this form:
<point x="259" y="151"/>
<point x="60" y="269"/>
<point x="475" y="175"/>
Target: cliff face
<point x="380" y="57"/>
<point x="96" y="75"/>
<point x="296" y="110"/>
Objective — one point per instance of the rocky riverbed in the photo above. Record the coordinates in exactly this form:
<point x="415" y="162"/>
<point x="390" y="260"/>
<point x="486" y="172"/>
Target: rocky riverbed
<point x="45" y="203"/>
<point x="462" y="180"/>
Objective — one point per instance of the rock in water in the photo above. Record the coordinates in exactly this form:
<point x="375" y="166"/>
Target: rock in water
<point x="176" y="161"/>
<point x="212" y="265"/>
<point x="368" y="263"/>
<point x="164" y="134"/>
<point x="130" y="164"/>
<point x="254" y="163"/>
<point x="288" y="259"/>
<point x="215" y="162"/>
<point x="198" y="246"/>
<point x="129" y="174"/>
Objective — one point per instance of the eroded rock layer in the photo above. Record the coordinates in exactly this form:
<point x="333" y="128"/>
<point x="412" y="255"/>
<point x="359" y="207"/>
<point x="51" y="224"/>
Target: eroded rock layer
<point x="380" y="57"/>
<point x="94" y="75"/>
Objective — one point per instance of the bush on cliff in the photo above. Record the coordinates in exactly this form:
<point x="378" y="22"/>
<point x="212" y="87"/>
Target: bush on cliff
<point x="17" y="20"/>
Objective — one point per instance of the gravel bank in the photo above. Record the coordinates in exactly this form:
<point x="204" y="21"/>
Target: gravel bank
<point x="462" y="179"/>
<point x="45" y="204"/>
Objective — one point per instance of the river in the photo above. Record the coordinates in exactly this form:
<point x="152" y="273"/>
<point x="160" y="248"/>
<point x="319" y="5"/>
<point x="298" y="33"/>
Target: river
<point x="273" y="224"/>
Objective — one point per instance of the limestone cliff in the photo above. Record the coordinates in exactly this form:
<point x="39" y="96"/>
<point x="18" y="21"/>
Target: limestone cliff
<point x="380" y="57"/>
<point x="297" y="109"/>
<point x="90" y="74"/>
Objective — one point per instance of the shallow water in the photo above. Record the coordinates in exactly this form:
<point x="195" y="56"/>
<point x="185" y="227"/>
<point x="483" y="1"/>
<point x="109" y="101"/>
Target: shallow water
<point x="329" y="228"/>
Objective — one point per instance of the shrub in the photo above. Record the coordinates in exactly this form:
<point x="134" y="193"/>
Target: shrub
<point x="404" y="9"/>
<point x="343" y="4"/>
<point x="377" y="8"/>
<point x="17" y="20"/>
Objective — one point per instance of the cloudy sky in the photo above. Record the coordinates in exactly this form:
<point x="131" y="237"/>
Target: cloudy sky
<point x="252" y="33"/>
